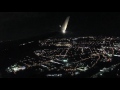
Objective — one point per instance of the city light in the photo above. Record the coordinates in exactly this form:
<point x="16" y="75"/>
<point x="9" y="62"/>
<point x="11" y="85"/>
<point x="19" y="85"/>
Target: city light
<point x="72" y="56"/>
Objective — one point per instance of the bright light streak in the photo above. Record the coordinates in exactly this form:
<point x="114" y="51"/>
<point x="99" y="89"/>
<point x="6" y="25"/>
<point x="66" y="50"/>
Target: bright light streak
<point x="64" y="26"/>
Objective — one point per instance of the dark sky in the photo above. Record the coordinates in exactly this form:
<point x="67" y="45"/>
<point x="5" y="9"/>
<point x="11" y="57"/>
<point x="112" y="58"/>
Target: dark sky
<point x="18" y="25"/>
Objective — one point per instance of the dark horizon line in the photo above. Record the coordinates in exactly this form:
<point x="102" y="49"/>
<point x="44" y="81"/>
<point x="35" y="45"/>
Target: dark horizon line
<point x="55" y="32"/>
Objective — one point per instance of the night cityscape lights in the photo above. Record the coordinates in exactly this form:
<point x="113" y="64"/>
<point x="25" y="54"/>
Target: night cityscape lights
<point x="71" y="57"/>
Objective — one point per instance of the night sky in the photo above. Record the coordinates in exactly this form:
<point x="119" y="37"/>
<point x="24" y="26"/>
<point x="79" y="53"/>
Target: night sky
<point x="18" y="25"/>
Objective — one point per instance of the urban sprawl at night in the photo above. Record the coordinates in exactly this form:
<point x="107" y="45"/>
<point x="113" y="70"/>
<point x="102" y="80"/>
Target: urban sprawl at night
<point x="89" y="56"/>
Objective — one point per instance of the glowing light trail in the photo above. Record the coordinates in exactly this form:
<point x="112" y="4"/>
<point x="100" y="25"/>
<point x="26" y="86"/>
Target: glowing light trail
<point x="65" y="24"/>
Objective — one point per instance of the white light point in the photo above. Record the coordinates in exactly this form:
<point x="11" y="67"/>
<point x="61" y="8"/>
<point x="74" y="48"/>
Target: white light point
<point x="64" y="31"/>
